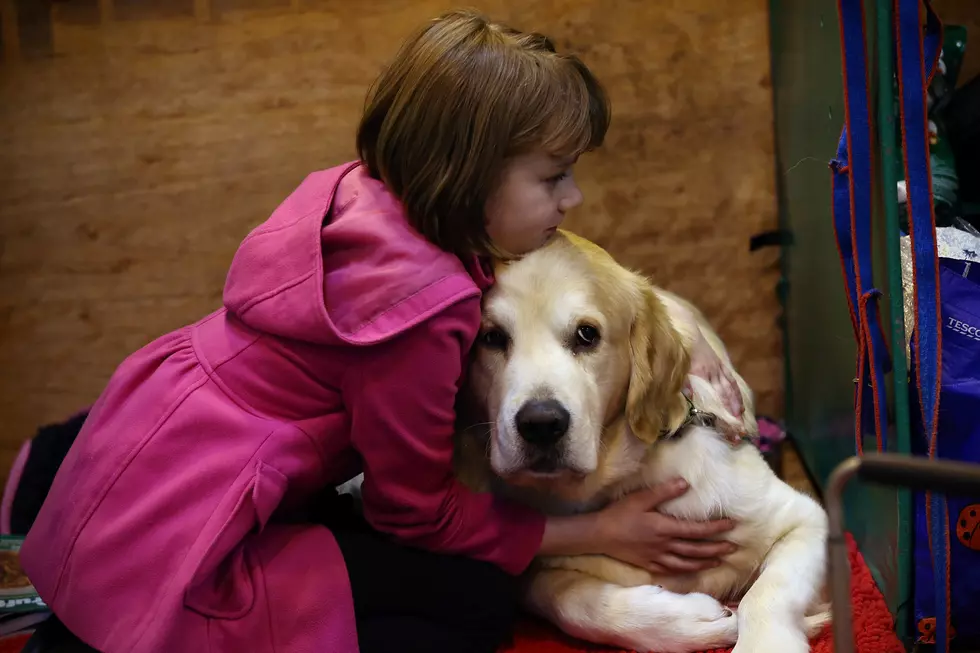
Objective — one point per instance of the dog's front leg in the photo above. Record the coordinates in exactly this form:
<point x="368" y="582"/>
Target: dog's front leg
<point x="772" y="612"/>
<point x="643" y="618"/>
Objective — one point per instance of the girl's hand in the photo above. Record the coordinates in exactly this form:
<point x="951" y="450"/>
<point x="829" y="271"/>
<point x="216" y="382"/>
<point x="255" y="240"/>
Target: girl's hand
<point x="706" y="364"/>
<point x="633" y="531"/>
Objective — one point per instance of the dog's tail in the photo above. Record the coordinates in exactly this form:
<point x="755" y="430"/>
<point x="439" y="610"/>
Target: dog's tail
<point x="815" y="623"/>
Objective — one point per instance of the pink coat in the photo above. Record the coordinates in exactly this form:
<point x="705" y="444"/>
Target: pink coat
<point x="339" y="349"/>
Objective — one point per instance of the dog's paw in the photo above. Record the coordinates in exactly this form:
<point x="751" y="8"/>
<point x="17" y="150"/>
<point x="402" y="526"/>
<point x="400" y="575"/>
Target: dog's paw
<point x="677" y="623"/>
<point x="767" y="638"/>
<point x="815" y="624"/>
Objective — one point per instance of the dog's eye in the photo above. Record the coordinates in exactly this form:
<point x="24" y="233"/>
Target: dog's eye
<point x="586" y="337"/>
<point x="495" y="339"/>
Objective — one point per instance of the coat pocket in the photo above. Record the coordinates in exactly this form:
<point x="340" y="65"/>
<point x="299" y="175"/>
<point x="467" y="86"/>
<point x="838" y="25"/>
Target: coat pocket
<point x="223" y="586"/>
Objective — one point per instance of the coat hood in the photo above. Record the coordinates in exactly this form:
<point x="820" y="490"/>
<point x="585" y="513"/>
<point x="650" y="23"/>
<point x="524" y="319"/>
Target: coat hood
<point x="338" y="262"/>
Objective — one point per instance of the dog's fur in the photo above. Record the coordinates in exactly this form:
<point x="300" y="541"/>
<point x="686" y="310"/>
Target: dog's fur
<point x="622" y="394"/>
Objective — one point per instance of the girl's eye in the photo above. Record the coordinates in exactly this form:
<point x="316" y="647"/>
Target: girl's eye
<point x="557" y="178"/>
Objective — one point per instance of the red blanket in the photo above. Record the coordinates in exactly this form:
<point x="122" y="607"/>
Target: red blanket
<point x="873" y="624"/>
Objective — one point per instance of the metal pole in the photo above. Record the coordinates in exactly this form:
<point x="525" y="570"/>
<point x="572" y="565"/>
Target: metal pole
<point x="840" y="568"/>
<point x="889" y="151"/>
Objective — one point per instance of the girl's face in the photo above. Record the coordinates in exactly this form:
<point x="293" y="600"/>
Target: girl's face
<point x="530" y="203"/>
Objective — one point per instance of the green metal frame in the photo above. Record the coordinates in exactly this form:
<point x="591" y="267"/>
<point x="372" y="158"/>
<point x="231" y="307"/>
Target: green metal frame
<point x="819" y="341"/>
<point x="889" y="151"/>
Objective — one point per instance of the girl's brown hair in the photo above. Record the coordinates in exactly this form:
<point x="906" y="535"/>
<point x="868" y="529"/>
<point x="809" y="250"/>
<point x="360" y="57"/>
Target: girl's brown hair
<point x="462" y="96"/>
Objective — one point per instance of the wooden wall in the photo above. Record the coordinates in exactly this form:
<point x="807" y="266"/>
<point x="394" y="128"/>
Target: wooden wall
<point x="141" y="140"/>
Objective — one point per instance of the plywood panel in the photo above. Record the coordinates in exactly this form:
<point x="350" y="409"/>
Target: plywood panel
<point x="141" y="147"/>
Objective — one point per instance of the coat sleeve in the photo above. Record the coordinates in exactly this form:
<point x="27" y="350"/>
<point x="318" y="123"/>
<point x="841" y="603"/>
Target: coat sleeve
<point x="401" y="401"/>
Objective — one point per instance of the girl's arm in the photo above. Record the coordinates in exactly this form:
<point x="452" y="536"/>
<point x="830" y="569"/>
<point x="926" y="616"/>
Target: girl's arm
<point x="401" y="400"/>
<point x="401" y="397"/>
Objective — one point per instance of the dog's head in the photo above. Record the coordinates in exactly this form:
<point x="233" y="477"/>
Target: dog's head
<point x="571" y="343"/>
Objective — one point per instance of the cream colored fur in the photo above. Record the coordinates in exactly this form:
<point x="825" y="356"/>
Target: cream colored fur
<point x="621" y="395"/>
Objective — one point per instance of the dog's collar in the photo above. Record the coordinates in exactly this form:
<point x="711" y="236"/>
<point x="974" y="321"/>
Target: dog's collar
<point x="695" y="417"/>
<point x="698" y="417"/>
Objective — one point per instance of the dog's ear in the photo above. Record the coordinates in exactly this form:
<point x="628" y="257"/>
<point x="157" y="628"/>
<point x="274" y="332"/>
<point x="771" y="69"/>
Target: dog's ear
<point x="660" y="365"/>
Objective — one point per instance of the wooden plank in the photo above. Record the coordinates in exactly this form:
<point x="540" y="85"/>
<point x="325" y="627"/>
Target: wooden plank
<point x="203" y="10"/>
<point x="107" y="12"/>
<point x="133" y="177"/>
<point x="11" y="34"/>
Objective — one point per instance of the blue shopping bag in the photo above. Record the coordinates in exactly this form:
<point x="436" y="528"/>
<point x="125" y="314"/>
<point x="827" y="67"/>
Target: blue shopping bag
<point x="957" y="438"/>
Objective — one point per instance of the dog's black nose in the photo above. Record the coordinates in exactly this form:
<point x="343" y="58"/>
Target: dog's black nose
<point x="542" y="423"/>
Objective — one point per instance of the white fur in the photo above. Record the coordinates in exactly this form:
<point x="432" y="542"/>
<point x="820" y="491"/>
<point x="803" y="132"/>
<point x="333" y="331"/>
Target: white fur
<point x="777" y="574"/>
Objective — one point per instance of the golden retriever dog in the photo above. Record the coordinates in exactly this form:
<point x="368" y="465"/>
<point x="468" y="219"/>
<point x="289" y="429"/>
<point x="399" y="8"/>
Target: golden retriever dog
<point x="579" y="371"/>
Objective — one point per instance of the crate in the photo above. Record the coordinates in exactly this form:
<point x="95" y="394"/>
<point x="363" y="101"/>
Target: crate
<point x="819" y="342"/>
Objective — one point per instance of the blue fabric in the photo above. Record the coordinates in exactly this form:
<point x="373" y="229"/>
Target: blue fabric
<point x="917" y="53"/>
<point x="917" y="56"/>
<point x="959" y="439"/>
<point x="852" y="205"/>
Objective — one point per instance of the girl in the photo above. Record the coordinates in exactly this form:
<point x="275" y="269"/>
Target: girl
<point x="179" y="519"/>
